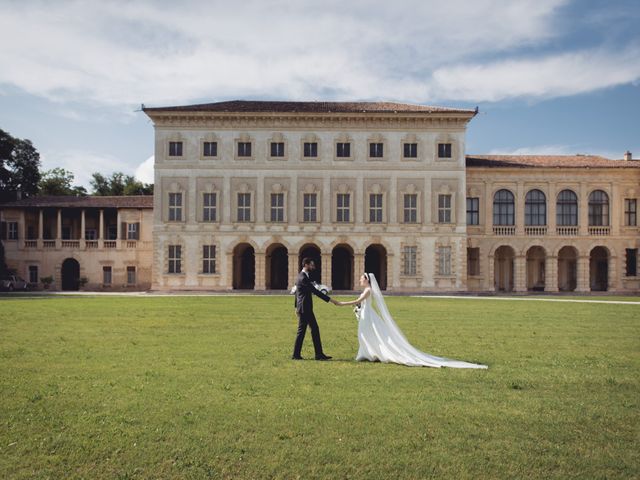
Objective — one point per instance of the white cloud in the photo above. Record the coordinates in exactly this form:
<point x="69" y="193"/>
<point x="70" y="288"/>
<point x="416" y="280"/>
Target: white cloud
<point x="123" y="53"/>
<point x="555" y="150"/>
<point x="144" y="172"/>
<point x="549" y="76"/>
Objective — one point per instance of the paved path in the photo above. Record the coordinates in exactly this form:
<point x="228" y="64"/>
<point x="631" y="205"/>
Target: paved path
<point x="204" y="294"/>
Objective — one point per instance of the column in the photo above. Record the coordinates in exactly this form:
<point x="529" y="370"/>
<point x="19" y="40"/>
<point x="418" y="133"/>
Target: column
<point x="261" y="201"/>
<point x="358" y="202"/>
<point x="487" y="211"/>
<point x="327" y="213"/>
<point x="101" y="227"/>
<point x="59" y="229"/>
<point x="392" y="204"/>
<point x="551" y="274"/>
<point x="551" y="209"/>
<point x="118" y="228"/>
<point x="583" y="274"/>
<point x="260" y="259"/>
<point x="358" y="268"/>
<point x="227" y="201"/>
<point x="583" y="211"/>
<point x="520" y="280"/>
<point x="519" y="209"/>
<point x="612" y="274"/>
<point x="292" y="214"/>
<point x="82" y="228"/>
<point x="489" y="279"/>
<point x="616" y="209"/>
<point x="40" y="227"/>
<point x="292" y="259"/>
<point x="326" y="269"/>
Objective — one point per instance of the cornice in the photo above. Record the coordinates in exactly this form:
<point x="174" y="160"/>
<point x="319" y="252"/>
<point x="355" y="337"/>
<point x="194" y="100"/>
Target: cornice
<point x="299" y="120"/>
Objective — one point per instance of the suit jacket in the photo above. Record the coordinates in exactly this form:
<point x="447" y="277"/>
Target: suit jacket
<point x="304" y="292"/>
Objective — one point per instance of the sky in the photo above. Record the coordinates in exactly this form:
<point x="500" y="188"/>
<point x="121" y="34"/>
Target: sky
<point x="548" y="76"/>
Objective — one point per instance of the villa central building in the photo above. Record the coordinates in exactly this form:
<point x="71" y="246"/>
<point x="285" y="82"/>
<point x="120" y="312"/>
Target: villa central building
<point x="244" y="190"/>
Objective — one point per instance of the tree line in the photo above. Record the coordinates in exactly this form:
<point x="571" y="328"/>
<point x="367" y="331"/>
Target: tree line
<point x="21" y="175"/>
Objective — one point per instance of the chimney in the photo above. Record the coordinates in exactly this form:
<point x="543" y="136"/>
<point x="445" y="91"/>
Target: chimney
<point x="628" y="156"/>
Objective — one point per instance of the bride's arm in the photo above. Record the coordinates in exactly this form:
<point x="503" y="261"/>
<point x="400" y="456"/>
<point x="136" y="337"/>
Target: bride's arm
<point x="365" y="294"/>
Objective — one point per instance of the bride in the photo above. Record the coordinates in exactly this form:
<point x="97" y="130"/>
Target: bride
<point x="380" y="338"/>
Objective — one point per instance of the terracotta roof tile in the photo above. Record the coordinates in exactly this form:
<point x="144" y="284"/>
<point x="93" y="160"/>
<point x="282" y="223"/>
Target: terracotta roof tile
<point x="250" y="106"/>
<point x="547" y="161"/>
<point x="130" y="201"/>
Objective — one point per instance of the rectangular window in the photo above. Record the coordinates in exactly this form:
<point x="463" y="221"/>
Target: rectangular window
<point x="33" y="274"/>
<point x="277" y="149"/>
<point x="12" y="230"/>
<point x="310" y="149"/>
<point x="175" y="149"/>
<point x="343" y="150"/>
<point x="473" y="261"/>
<point x="210" y="149"/>
<point x="343" y="207"/>
<point x="309" y="207"/>
<point x="444" y="208"/>
<point x="209" y="207"/>
<point x="375" y="207"/>
<point x="444" y="150"/>
<point x="410" y="150"/>
<point x="277" y="207"/>
<point x="244" y="207"/>
<point x="131" y="275"/>
<point x="473" y="211"/>
<point x="630" y="212"/>
<point x="410" y="208"/>
<point x="376" y="150"/>
<point x="175" y="258"/>
<point x="444" y="260"/>
<point x="106" y="275"/>
<point x="175" y="207"/>
<point x="632" y="262"/>
<point x="208" y="259"/>
<point x="244" y="149"/>
<point x="90" y="234"/>
<point x="410" y="259"/>
<point x="132" y="231"/>
<point x="66" y="232"/>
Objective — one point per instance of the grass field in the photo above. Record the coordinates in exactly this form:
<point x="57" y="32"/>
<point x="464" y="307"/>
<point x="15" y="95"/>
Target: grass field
<point x="202" y="387"/>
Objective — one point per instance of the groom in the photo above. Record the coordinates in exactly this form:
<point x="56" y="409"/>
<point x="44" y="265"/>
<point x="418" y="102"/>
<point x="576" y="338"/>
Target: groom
<point x="304" y="311"/>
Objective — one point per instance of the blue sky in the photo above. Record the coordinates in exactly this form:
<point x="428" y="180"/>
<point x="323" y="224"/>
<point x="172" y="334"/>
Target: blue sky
<point x="549" y="76"/>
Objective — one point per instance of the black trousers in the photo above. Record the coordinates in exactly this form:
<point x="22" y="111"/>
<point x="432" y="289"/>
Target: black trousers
<point x="309" y="319"/>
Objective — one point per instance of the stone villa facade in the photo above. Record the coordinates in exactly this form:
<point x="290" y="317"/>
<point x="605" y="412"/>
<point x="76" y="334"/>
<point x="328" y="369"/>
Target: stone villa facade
<point x="245" y="190"/>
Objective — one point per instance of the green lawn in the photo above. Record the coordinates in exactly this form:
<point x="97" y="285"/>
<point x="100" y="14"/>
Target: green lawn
<point x="202" y="387"/>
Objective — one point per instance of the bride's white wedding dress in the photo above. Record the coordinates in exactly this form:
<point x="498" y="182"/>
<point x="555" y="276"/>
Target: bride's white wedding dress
<point x="381" y="340"/>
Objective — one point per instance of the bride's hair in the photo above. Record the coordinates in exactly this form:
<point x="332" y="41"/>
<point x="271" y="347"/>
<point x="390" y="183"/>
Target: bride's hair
<point x="366" y="275"/>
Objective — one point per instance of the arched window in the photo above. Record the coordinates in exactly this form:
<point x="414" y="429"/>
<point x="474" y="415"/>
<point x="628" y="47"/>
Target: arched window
<point x="567" y="208"/>
<point x="598" y="208"/>
<point x="535" y="208"/>
<point x="503" y="208"/>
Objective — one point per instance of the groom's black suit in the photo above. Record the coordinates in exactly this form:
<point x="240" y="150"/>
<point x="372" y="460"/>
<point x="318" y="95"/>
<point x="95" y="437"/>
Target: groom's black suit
<point x="304" y="310"/>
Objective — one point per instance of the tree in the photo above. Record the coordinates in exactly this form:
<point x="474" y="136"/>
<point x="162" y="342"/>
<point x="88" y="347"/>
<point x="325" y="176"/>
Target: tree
<point x="19" y="167"/>
<point x="119" y="184"/>
<point x="59" y="181"/>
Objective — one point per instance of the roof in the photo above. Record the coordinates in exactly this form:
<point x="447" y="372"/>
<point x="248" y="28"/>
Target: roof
<point x="547" y="161"/>
<point x="92" y="201"/>
<point x="251" y="106"/>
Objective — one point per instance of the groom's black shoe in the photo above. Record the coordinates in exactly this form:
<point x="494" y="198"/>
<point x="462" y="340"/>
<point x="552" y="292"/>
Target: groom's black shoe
<point x="296" y="358"/>
<point x="323" y="357"/>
